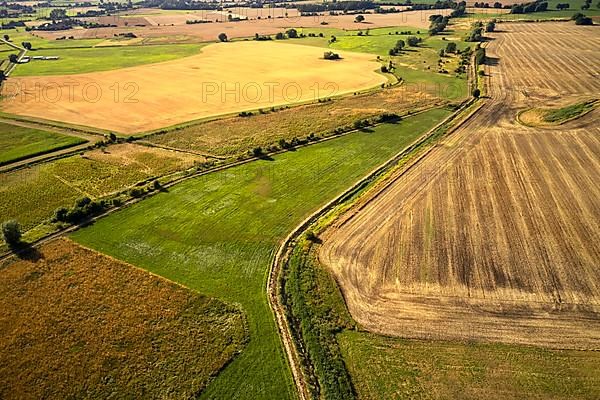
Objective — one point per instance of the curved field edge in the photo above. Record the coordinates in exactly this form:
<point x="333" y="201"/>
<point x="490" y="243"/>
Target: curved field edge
<point x="541" y="117"/>
<point x="104" y="328"/>
<point x="217" y="234"/>
<point x="309" y="298"/>
<point x="363" y="365"/>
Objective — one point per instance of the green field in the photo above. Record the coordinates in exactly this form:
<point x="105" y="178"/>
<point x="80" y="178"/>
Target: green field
<point x="31" y="195"/>
<point x="417" y="66"/>
<point x="19" y="35"/>
<point x="387" y="368"/>
<point x="79" y="61"/>
<point x="18" y="142"/>
<point x="217" y="234"/>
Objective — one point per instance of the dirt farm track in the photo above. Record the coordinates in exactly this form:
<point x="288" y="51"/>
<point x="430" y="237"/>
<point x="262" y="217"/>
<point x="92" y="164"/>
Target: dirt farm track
<point x="495" y="235"/>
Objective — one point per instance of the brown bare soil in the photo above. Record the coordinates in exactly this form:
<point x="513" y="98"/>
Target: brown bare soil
<point x="224" y="78"/>
<point x="238" y="134"/>
<point x="78" y="324"/>
<point x="264" y="26"/>
<point x="494" y="235"/>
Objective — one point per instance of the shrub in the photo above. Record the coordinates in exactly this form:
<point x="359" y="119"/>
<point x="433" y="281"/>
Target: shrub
<point x="82" y="202"/>
<point x="11" y="232"/>
<point x="136" y="192"/>
<point x="60" y="214"/>
<point x="312" y="236"/>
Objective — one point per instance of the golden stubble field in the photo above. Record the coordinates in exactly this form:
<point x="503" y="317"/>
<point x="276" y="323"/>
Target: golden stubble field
<point x="494" y="235"/>
<point x="223" y="78"/>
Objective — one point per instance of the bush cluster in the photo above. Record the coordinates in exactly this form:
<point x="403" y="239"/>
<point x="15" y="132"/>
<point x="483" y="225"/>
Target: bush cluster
<point x="82" y="209"/>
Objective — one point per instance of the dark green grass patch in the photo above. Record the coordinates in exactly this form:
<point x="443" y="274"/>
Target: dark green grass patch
<point x="18" y="142"/>
<point x="569" y="112"/>
<point x="217" y="234"/>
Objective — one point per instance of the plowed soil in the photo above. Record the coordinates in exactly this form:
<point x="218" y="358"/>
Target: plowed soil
<point x="495" y="234"/>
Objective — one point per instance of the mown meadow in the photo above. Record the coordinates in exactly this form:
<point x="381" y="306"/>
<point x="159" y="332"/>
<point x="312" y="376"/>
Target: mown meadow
<point x="19" y="142"/>
<point x="218" y="232"/>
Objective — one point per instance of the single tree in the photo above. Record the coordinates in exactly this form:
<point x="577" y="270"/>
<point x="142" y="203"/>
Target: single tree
<point x="58" y="14"/>
<point x="451" y="47"/>
<point x="292" y="33"/>
<point x="413" y="41"/>
<point x="6" y="37"/>
<point x="26" y="45"/>
<point x="11" y="232"/>
<point x="359" y="18"/>
<point x="476" y="93"/>
<point x="222" y="37"/>
<point x="13" y="58"/>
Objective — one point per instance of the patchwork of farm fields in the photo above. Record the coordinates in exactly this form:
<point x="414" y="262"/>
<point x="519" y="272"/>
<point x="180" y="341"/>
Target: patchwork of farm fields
<point x="494" y="235"/>
<point x="31" y="195"/>
<point x="224" y="78"/>
<point x="20" y="142"/>
<point x="217" y="234"/>
<point x="265" y="26"/>
<point x="78" y="324"/>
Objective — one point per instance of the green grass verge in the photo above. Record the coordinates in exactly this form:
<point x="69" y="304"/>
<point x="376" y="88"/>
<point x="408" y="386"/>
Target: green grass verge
<point x="18" y="142"/>
<point x="217" y="234"/>
<point x="78" y="61"/>
<point x="569" y="112"/>
<point x="388" y="368"/>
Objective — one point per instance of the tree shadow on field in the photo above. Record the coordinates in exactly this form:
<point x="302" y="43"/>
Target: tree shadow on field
<point x="492" y="61"/>
<point x="25" y="251"/>
<point x="266" y="157"/>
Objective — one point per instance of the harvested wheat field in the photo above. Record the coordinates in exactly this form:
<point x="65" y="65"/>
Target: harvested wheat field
<point x="174" y="24"/>
<point x="78" y="324"/>
<point x="224" y="78"/>
<point x="495" y="235"/>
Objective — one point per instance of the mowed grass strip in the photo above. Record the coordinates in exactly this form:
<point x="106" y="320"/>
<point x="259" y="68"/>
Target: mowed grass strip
<point x="78" y="324"/>
<point x="217" y="234"/>
<point x="18" y="142"/>
<point x="96" y="59"/>
<point x="387" y="368"/>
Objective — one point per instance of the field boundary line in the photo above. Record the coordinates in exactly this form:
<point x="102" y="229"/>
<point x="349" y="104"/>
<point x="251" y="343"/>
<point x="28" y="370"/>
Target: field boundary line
<point x="273" y="288"/>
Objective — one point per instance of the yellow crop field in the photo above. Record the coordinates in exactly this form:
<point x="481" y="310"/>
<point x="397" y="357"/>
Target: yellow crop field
<point x="223" y="78"/>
